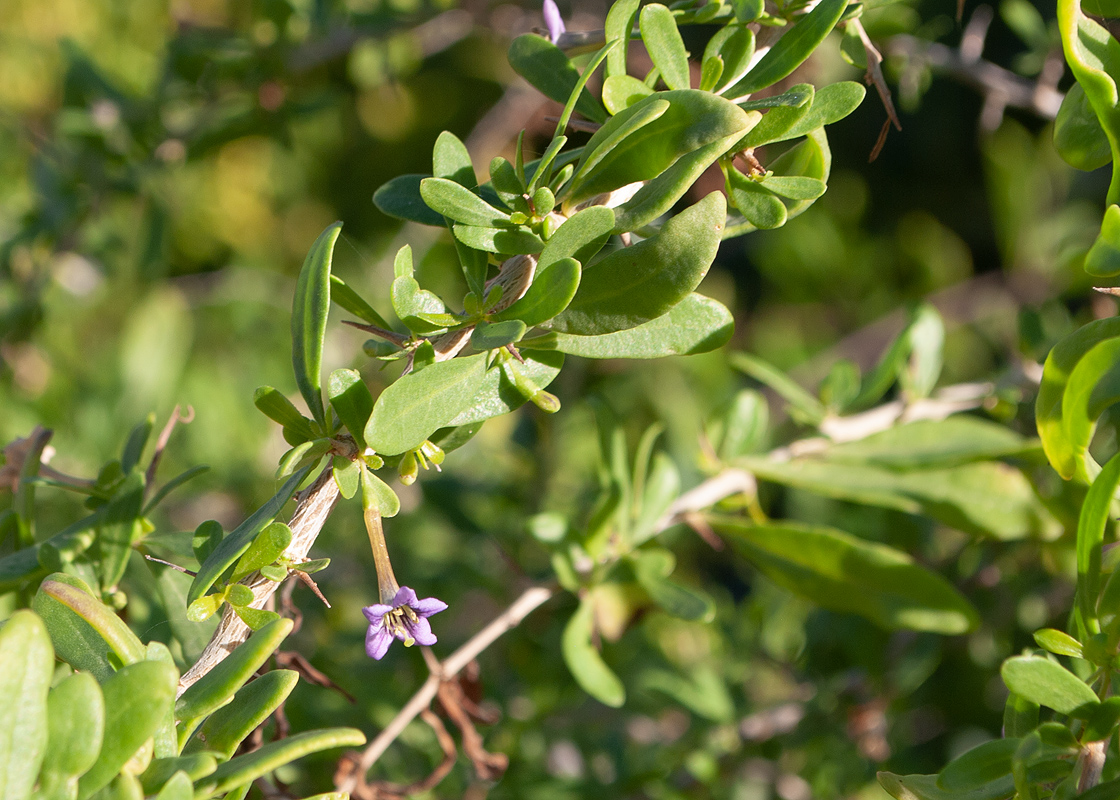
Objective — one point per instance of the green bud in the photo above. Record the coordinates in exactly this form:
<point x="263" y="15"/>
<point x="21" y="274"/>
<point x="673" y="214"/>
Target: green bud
<point x="408" y="468"/>
<point x="432" y="452"/>
<point x="543" y="201"/>
<point x="545" y="401"/>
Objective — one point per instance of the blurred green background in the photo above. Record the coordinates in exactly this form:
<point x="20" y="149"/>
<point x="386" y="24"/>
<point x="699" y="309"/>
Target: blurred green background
<point x="164" y="167"/>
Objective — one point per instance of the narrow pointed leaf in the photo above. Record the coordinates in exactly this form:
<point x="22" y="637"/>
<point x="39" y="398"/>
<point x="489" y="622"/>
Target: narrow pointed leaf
<point x="351" y="301"/>
<point x="215" y="688"/>
<point x="844" y="573"/>
<point x="279" y="408"/>
<point x="351" y="400"/>
<point x="247" y="768"/>
<point x="309" y="320"/>
<point x="792" y="49"/>
<point x="232" y="546"/>
<point x="544" y="65"/>
<point x="227" y="727"/>
<point x="584" y="661"/>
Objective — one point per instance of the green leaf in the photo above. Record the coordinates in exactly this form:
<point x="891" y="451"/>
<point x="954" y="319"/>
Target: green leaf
<point x="451" y="160"/>
<point x="1093" y="55"/>
<point x="843" y="573"/>
<point x="921" y="787"/>
<point x="415" y="406"/>
<point x="550" y="293"/>
<point x="619" y="25"/>
<point x="418" y="308"/>
<point x="544" y="168"/>
<point x="214" y="689"/>
<point x="584" y="661"/>
<point x="544" y="65"/>
<point x="1046" y="683"/>
<point x="255" y="618"/>
<point x="400" y="198"/>
<point x="247" y="768"/>
<point x="639" y="283"/>
<point x="351" y="301"/>
<point x="204" y="607"/>
<point x="134" y="446"/>
<point x="377" y="494"/>
<point x="1094" y="385"/>
<point x="734" y="46"/>
<point x="830" y="104"/>
<point x="178" y="787"/>
<point x="794" y="187"/>
<point x="231" y="548"/>
<point x="662" y="487"/>
<point x="119" y="527"/>
<point x="136" y="701"/>
<point x="268" y="546"/>
<point x="1020" y="716"/>
<point x="1103" y="258"/>
<point x="748" y="10"/>
<point x="1095" y="515"/>
<point x="776" y="122"/>
<point x="1049" y="405"/>
<point x="985" y="768"/>
<point x="26" y="669"/>
<point x="1101" y="724"/>
<point x="1078" y="136"/>
<point x="985" y="498"/>
<point x="703" y="692"/>
<point x="664" y="44"/>
<point x="642" y="141"/>
<point x="227" y="727"/>
<point x="798" y="95"/>
<point x="497" y="395"/>
<point x="677" y="600"/>
<point x="960" y="439"/>
<point x="761" y="207"/>
<point x="808" y="406"/>
<point x="309" y="320"/>
<point x="161" y="770"/>
<point x="492" y="335"/>
<point x="622" y="91"/>
<point x="351" y="400"/>
<point x="455" y="201"/>
<point x="580" y="237"/>
<point x="796" y="45"/>
<point x="696" y="324"/>
<point x="741" y="426"/>
<point x="810" y="159"/>
<point x="172" y="485"/>
<point x="73" y="639"/>
<point x="76" y="721"/>
<point x="519" y="241"/>
<point x="347" y="474"/>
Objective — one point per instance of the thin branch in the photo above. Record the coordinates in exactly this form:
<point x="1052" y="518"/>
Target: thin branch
<point x="313" y="508"/>
<point x="726" y="484"/>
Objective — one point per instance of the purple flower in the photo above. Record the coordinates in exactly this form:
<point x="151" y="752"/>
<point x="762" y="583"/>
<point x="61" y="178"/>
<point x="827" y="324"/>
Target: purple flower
<point x="406" y="619"/>
<point x="553" y="20"/>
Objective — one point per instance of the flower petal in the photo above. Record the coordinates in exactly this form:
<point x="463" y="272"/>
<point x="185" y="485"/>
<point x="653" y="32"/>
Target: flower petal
<point x="553" y="20"/>
<point x="421" y="631"/>
<point x="405" y="597"/>
<point x="429" y="606"/>
<point x="375" y="612"/>
<point x="377" y="642"/>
